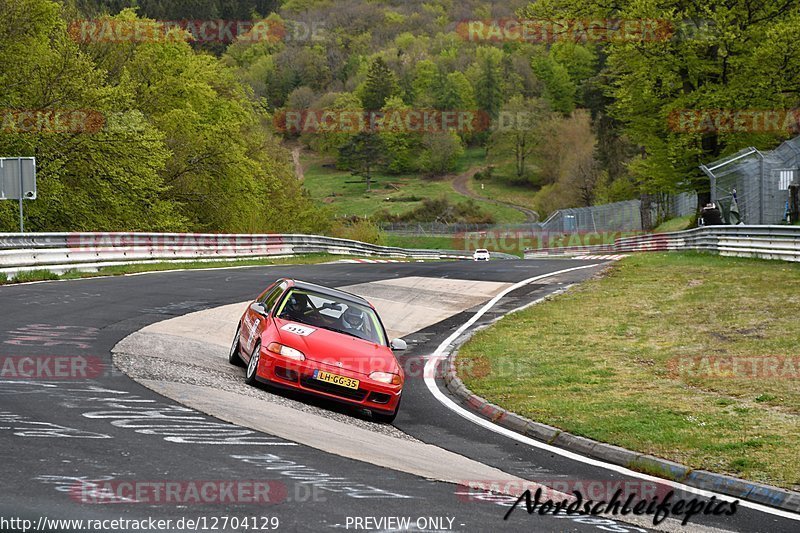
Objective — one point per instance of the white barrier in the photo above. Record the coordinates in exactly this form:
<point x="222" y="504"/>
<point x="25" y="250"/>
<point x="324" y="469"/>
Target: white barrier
<point x="59" y="252"/>
<point x="765" y="242"/>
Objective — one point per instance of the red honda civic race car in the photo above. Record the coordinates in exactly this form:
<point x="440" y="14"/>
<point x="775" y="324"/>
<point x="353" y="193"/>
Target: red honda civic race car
<point x="321" y="341"/>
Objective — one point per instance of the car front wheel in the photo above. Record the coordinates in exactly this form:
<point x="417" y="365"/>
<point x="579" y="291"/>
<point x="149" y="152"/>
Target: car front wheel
<point x="235" y="355"/>
<point x="252" y="366"/>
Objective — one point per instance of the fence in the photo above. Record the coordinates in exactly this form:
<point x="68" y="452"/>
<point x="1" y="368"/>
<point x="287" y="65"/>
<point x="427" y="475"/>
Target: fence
<point x="764" y="242"/>
<point x="59" y="252"/>
<point x="755" y="184"/>
<point x="618" y="216"/>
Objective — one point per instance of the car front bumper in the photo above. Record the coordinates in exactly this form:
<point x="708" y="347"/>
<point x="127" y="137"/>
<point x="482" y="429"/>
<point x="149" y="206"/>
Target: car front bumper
<point x="299" y="376"/>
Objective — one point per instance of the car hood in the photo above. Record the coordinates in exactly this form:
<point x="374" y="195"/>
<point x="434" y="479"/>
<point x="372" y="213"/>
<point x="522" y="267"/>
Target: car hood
<point x="337" y="349"/>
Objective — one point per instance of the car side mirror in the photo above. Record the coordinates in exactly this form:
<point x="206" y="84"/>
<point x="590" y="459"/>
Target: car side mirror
<point x="398" y="344"/>
<point x="259" y="308"/>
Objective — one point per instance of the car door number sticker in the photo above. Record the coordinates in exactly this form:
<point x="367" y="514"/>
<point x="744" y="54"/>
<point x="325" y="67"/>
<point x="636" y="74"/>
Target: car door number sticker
<point x="297" y="329"/>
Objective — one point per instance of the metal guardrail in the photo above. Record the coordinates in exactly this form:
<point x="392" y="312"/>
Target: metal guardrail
<point x="59" y="252"/>
<point x="765" y="242"/>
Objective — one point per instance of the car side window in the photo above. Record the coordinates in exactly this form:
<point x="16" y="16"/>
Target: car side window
<point x="272" y="296"/>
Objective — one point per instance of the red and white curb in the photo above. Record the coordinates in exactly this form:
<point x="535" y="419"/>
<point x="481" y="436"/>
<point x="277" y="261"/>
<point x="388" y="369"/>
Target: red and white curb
<point x="615" y="257"/>
<point x="369" y="261"/>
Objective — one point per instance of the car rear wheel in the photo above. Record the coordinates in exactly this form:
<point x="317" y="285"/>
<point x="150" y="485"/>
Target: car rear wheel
<point x="252" y="366"/>
<point x="235" y="355"/>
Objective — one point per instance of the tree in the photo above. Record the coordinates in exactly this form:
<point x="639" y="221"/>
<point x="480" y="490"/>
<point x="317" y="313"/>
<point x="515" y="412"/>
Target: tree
<point x="519" y="133"/>
<point x="362" y="154"/>
<point x="328" y="142"/>
<point x="454" y="92"/>
<point x="567" y="162"/>
<point x="488" y="91"/>
<point x="184" y="145"/>
<point x="440" y="153"/>
<point x="559" y="89"/>
<point x="105" y="179"/>
<point x="425" y="76"/>
<point x="399" y="147"/>
<point x="744" y="55"/>
<point x="381" y="84"/>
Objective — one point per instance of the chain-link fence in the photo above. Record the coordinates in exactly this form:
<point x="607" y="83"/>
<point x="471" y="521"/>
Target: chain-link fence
<point x="619" y="216"/>
<point x="752" y="187"/>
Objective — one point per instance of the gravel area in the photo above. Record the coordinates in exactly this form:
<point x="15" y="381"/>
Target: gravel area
<point x="140" y="366"/>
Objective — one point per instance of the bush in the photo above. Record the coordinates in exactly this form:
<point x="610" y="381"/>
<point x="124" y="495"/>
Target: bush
<point x="441" y="210"/>
<point x="485" y="174"/>
<point x="359" y="229"/>
<point x="403" y="199"/>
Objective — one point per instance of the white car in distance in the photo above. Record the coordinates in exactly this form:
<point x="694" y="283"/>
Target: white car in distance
<point x="481" y="254"/>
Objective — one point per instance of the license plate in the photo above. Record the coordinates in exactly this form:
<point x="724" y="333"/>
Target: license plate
<point x="342" y="381"/>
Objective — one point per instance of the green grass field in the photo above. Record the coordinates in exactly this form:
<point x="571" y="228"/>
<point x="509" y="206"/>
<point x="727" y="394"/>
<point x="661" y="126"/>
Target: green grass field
<point x="346" y="195"/>
<point x="504" y="191"/>
<point x="674" y="224"/>
<point x="638" y="358"/>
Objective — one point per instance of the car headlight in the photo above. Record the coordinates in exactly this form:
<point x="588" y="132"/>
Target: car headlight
<point x="386" y="377"/>
<point x="286" y="351"/>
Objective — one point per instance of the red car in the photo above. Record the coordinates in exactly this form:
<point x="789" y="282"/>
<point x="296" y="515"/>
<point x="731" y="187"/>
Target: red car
<point x="322" y="341"/>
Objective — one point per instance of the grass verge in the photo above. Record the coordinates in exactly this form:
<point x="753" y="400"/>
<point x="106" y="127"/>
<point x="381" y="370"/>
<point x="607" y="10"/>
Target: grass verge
<point x="345" y="195"/>
<point x="675" y="224"/>
<point x="653" y="356"/>
<point x="43" y="275"/>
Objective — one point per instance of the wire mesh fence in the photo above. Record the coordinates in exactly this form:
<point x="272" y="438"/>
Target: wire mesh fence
<point x="752" y="187"/>
<point x="615" y="217"/>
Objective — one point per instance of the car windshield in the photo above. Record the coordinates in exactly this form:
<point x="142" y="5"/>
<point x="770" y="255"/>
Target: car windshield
<point x="331" y="313"/>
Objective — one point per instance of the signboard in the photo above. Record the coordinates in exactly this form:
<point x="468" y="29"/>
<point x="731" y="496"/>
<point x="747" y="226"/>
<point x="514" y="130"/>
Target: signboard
<point x="11" y="186"/>
<point x="18" y="182"/>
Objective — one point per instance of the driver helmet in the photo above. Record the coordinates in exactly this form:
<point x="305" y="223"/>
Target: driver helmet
<point x="297" y="303"/>
<point x="354" y="317"/>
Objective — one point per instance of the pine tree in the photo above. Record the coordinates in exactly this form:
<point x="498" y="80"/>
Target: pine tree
<point x="380" y="85"/>
<point x="488" y="91"/>
<point x="361" y="155"/>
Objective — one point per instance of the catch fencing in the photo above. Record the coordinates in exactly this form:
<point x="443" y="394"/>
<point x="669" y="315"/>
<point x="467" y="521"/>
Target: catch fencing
<point x="624" y="216"/>
<point x="754" y="187"/>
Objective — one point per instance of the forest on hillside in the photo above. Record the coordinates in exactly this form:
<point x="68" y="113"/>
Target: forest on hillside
<point x="192" y="138"/>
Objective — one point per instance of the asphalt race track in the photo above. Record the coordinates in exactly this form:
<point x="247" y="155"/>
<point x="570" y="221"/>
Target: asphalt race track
<point x="66" y="443"/>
